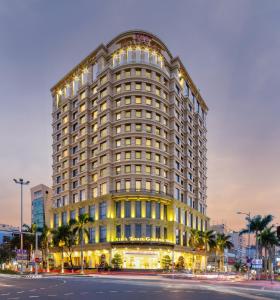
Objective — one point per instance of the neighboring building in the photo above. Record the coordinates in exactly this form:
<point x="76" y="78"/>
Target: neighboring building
<point x="41" y="205"/>
<point x="231" y="256"/>
<point x="6" y="232"/>
<point x="129" y="149"/>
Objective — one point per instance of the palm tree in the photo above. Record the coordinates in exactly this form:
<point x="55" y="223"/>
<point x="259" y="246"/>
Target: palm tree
<point x="256" y="225"/>
<point x="222" y="243"/>
<point x="80" y="229"/>
<point x="195" y="242"/>
<point x="44" y="241"/>
<point x="268" y="239"/>
<point x="64" y="239"/>
<point x="208" y="241"/>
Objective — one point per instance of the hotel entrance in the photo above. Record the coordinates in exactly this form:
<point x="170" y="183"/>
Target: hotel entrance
<point x="141" y="260"/>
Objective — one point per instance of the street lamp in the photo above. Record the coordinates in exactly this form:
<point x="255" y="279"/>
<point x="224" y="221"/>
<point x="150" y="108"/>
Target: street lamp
<point x="21" y="182"/>
<point x="249" y="237"/>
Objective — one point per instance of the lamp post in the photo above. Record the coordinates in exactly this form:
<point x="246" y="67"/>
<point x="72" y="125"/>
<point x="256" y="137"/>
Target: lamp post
<point x="22" y="183"/>
<point x="249" y="238"/>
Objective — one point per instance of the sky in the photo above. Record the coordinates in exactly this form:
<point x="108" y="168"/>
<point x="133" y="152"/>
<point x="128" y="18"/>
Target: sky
<point x="230" y="48"/>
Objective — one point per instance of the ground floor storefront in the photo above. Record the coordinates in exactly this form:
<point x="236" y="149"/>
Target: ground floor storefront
<point x="151" y="257"/>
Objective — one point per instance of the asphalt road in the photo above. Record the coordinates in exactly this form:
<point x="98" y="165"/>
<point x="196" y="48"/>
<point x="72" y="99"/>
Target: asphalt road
<point x="124" y="288"/>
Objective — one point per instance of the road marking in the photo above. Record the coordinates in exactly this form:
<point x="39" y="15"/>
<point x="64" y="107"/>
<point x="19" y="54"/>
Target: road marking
<point x="128" y="291"/>
<point x="99" y="292"/>
<point x="67" y="294"/>
<point x="35" y="296"/>
<point x="13" y="298"/>
<point x="51" y="295"/>
<point x="83" y="293"/>
<point x="33" y="290"/>
<point x="5" y="294"/>
<point x="20" y="292"/>
<point x="113" y="291"/>
<point x="42" y="288"/>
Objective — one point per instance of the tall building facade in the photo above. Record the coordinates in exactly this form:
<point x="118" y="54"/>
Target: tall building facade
<point x="41" y="203"/>
<point x="129" y="149"/>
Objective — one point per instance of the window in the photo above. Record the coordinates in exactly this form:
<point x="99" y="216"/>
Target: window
<point x="148" y="231"/>
<point x="148" y="185"/>
<point x="138" y="127"/>
<point x="118" y="143"/>
<point x="138" y="100"/>
<point x="118" y="156"/>
<point x="118" y="170"/>
<point x="148" y="101"/>
<point x="127" y="100"/>
<point x="148" y="87"/>
<point x="157" y="232"/>
<point x="138" y="72"/>
<point x="127" y="114"/>
<point x="127" y="87"/>
<point x="118" y="129"/>
<point x="148" y="169"/>
<point x="127" y="209"/>
<point x="118" y="209"/>
<point x="118" y="231"/>
<point x="102" y="210"/>
<point x="127" y="73"/>
<point x="127" y="231"/>
<point x="118" y="102"/>
<point x="103" y="189"/>
<point x="148" y="142"/>
<point x="157" y="187"/>
<point x="118" y="89"/>
<point x="138" y="114"/>
<point x="127" y="127"/>
<point x="138" y="86"/>
<point x="148" y="128"/>
<point x="118" y="76"/>
<point x="92" y="211"/>
<point x="138" y="169"/>
<point x="128" y="155"/>
<point x="138" y="141"/>
<point x="158" y="210"/>
<point x="148" y="209"/>
<point x="127" y="185"/>
<point x="138" y="209"/>
<point x="127" y="141"/>
<point x="148" y="155"/>
<point x="138" y="230"/>
<point x="103" y="93"/>
<point x="127" y="169"/>
<point x="138" y="154"/>
<point x="157" y="91"/>
<point x="102" y="234"/>
<point x="148" y="114"/>
<point x="118" y="116"/>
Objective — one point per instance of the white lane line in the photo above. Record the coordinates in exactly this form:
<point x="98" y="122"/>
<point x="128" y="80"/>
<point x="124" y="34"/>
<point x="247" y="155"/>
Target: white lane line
<point x="113" y="291"/>
<point x="99" y="292"/>
<point x="35" y="296"/>
<point x="42" y="288"/>
<point x="51" y="295"/>
<point x="20" y="292"/>
<point x="15" y="298"/>
<point x="67" y="294"/>
<point x="33" y="290"/>
<point x="128" y="291"/>
<point x="5" y="294"/>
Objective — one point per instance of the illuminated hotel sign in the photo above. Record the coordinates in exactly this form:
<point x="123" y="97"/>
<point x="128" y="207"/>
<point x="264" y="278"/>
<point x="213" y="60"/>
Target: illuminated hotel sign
<point x="142" y="239"/>
<point x="139" y="39"/>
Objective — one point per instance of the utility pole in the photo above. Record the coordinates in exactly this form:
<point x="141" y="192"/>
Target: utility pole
<point x="21" y="182"/>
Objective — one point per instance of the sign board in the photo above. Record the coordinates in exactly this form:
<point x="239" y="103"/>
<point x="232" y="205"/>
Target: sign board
<point x="21" y="255"/>
<point x="256" y="266"/>
<point x="257" y="261"/>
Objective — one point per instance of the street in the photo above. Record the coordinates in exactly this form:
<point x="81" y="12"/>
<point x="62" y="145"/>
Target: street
<point x="125" y="287"/>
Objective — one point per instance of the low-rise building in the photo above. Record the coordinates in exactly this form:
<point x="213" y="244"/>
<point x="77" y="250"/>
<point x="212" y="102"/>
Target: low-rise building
<point x="40" y="205"/>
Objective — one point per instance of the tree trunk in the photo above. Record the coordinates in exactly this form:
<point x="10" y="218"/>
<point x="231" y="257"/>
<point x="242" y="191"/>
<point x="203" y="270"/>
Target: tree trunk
<point x="265" y="262"/>
<point x="82" y="252"/>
